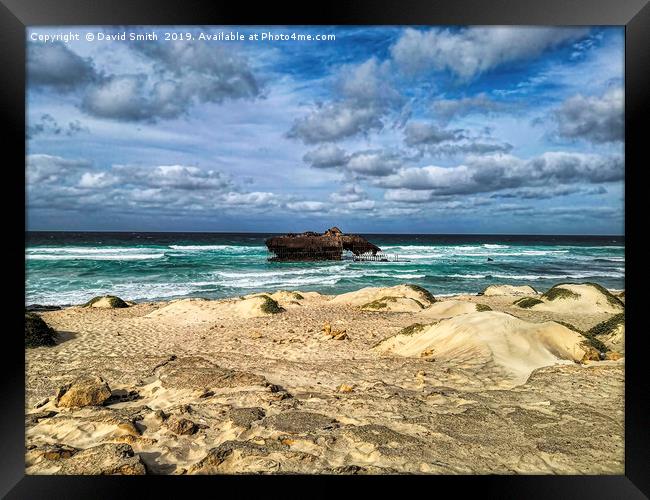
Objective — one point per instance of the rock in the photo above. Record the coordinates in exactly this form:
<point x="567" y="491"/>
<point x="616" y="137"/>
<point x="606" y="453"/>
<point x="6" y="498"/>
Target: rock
<point x="296" y="422"/>
<point x="591" y="354"/>
<point x="206" y="394"/>
<point x="339" y="335"/>
<point x="37" y="332"/>
<point x="122" y="396"/>
<point x="216" y="456"/>
<point x="613" y="356"/>
<point x="160" y="416"/>
<point x="87" y="391"/>
<point x="345" y="388"/>
<point x="42" y="402"/>
<point x="181" y="426"/>
<point x="244" y="417"/>
<point x="105" y="459"/>
<point x="56" y="451"/>
<point x="327" y="329"/>
<point x="41" y="308"/>
<point x="33" y="418"/>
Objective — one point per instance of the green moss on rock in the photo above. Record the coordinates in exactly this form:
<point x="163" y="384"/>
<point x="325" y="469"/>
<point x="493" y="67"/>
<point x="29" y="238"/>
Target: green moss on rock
<point x="608" y="326"/>
<point x="114" y="301"/>
<point x="297" y="296"/>
<point x="527" y="302"/>
<point x="270" y="306"/>
<point x="482" y="308"/>
<point x="426" y="293"/>
<point x="37" y="331"/>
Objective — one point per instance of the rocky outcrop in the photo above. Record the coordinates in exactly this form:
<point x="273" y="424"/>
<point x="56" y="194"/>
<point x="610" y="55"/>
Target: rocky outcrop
<point x="311" y="246"/>
<point x="37" y="332"/>
<point x="87" y="391"/>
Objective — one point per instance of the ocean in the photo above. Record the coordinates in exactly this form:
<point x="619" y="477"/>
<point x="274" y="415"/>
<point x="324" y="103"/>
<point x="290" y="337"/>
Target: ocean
<point x="64" y="268"/>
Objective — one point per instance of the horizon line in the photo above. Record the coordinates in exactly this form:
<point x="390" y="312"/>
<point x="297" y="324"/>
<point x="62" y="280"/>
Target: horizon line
<point x="273" y="232"/>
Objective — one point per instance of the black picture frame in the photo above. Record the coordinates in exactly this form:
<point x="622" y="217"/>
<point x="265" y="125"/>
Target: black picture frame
<point x="16" y="15"/>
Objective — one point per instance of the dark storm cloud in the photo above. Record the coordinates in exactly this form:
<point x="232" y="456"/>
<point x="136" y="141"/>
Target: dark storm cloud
<point x="597" y="119"/>
<point x="54" y="65"/>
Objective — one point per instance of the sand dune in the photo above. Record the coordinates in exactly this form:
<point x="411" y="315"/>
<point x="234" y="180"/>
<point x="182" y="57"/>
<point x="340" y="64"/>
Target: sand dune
<point x="205" y="386"/>
<point x="368" y="295"/>
<point x="517" y="347"/>
<point x="189" y="311"/>
<point x="493" y="290"/>
<point x="448" y="309"/>
<point x="577" y="298"/>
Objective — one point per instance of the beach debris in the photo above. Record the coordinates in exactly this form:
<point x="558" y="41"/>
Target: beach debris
<point x="426" y="353"/>
<point x="85" y="391"/>
<point x="37" y="331"/>
<point x="206" y="393"/>
<point x="345" y="388"/>
<point x="327" y="329"/>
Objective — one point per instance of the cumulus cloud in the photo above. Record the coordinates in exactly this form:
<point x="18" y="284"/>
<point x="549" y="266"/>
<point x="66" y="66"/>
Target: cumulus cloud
<point x="419" y="133"/>
<point x="373" y="163"/>
<point x="54" y="65"/>
<point x="307" y="206"/>
<point x="363" y="96"/>
<point x="184" y="74"/>
<point x="500" y="172"/>
<point x="438" y="141"/>
<point x="471" y="51"/>
<point x="335" y="121"/>
<point x="326" y="156"/>
<point x="349" y="194"/>
<point x="44" y="169"/>
<point x="597" y="119"/>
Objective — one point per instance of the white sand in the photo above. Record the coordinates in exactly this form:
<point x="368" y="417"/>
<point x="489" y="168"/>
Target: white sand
<point x="518" y="291"/>
<point x="517" y="347"/>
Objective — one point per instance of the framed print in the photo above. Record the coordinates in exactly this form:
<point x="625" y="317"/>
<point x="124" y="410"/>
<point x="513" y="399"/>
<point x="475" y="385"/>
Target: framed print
<point x="361" y="243"/>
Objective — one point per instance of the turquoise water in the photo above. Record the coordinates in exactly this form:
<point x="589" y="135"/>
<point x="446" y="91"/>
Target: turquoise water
<point x="70" y="268"/>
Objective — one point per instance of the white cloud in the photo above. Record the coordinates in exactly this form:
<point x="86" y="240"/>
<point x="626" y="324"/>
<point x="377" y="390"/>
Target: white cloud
<point x="475" y="50"/>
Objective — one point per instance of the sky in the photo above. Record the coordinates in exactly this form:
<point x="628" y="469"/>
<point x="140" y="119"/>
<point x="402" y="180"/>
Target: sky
<point x="482" y="129"/>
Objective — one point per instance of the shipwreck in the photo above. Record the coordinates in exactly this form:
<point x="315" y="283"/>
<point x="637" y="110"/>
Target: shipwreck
<point x="311" y="246"/>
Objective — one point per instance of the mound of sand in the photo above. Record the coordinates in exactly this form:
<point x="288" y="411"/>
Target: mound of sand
<point x="586" y="298"/>
<point x="393" y="304"/>
<point x="106" y="302"/>
<point x="372" y="294"/>
<point x="191" y="311"/>
<point x="509" y="290"/>
<point x="611" y="332"/>
<point x="289" y="298"/>
<point x="508" y="347"/>
<point x="448" y="309"/>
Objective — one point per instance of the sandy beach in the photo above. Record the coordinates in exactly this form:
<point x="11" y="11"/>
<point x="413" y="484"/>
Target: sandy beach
<point x="377" y="381"/>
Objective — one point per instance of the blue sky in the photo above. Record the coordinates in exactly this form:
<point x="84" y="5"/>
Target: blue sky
<point x="384" y="129"/>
